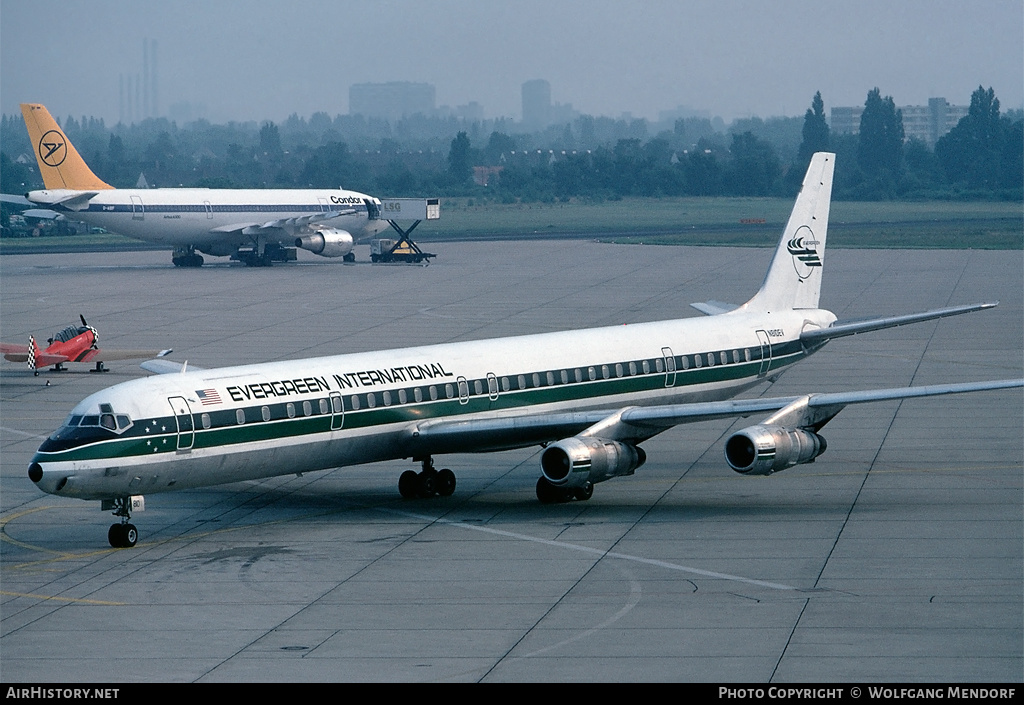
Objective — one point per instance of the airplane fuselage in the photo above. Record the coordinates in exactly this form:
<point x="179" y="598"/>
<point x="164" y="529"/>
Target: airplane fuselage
<point x="208" y="427"/>
<point x="207" y="218"/>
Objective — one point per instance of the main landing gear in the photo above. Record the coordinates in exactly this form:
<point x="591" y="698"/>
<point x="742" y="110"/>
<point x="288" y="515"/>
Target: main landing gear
<point x="552" y="494"/>
<point x="428" y="482"/>
<point x="186" y="257"/>
<point x="123" y="534"/>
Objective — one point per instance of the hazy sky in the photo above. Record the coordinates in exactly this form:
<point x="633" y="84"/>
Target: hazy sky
<point x="265" y="59"/>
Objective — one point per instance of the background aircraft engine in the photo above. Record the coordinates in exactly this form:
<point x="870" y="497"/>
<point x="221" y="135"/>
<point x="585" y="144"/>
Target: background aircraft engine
<point x="763" y="450"/>
<point x="328" y="242"/>
<point x="572" y="462"/>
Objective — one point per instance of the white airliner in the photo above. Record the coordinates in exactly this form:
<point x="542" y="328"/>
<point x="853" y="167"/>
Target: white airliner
<point x="591" y="397"/>
<point x="255" y="226"/>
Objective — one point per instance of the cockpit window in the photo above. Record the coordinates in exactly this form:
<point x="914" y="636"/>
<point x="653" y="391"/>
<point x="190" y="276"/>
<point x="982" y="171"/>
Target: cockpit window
<point x="69" y="333"/>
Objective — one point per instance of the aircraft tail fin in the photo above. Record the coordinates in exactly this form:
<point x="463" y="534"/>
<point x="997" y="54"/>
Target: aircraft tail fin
<point x="794" y="277"/>
<point x="60" y="165"/>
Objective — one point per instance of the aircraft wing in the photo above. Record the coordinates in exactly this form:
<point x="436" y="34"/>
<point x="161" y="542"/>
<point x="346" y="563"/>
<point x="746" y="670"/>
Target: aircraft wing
<point x="638" y="423"/>
<point x="13" y="349"/>
<point x="108" y="355"/>
<point x="254" y="228"/>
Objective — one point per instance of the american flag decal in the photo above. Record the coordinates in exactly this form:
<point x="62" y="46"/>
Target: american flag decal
<point x="208" y="396"/>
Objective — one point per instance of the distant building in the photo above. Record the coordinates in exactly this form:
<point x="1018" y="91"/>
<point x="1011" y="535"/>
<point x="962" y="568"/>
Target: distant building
<point x="924" y="122"/>
<point x="536" y="104"/>
<point x="391" y="101"/>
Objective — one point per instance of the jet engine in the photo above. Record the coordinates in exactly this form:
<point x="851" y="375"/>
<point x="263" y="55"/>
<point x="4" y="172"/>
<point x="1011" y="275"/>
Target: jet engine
<point x="573" y="462"/>
<point x="328" y="242"/>
<point x="763" y="450"/>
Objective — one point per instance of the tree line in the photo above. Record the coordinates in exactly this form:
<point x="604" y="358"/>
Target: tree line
<point x="589" y="158"/>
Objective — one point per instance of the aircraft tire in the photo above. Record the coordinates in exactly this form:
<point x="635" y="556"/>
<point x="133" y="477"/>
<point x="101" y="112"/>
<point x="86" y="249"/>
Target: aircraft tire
<point x="584" y="493"/>
<point x="122" y="535"/>
<point x="408" y="484"/>
<point x="548" y="493"/>
<point x="114" y="536"/>
<point x="427" y="483"/>
<point x="445" y="483"/>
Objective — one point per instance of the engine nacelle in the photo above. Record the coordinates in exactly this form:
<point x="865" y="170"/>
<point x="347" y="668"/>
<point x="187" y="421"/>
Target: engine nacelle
<point x="572" y="462"/>
<point x="763" y="450"/>
<point x="328" y="242"/>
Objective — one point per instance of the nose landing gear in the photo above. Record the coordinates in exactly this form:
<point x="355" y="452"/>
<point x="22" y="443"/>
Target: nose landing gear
<point x="123" y="534"/>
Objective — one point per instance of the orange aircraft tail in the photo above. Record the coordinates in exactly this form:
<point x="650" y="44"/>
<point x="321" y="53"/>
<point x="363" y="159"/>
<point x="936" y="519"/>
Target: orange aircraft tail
<point x="59" y="162"/>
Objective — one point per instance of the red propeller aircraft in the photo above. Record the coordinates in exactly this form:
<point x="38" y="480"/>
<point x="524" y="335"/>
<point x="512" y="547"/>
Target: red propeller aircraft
<point x="73" y="344"/>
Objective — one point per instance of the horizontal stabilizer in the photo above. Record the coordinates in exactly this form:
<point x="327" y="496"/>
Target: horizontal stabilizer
<point x="841" y="329"/>
<point x="714" y="308"/>
<point x="163" y="366"/>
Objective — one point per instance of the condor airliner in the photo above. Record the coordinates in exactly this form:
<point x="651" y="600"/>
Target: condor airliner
<point x="590" y="397"/>
<point x="255" y="226"/>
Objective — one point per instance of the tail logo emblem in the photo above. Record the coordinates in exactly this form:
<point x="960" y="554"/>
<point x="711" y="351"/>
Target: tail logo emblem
<point x="53" y="149"/>
<point x="803" y="248"/>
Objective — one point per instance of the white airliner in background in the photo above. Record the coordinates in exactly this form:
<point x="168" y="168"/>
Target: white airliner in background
<point x="591" y="397"/>
<point x="256" y="226"/>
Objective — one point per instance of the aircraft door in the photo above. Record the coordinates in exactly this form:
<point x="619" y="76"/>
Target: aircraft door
<point x="670" y="367"/>
<point x="463" y="385"/>
<point x="492" y="386"/>
<point x="138" y="210"/>
<point x="337" y="411"/>
<point x="766" y="352"/>
<point x="324" y="205"/>
<point x="183" y="419"/>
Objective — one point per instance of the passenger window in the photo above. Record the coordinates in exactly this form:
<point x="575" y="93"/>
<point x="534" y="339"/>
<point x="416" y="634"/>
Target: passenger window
<point x="387" y="398"/>
<point x="551" y="378"/>
<point x="354" y="402"/>
<point x="266" y="413"/>
<point x="307" y="409"/>
<point x="371" y="400"/>
<point x="324" y="408"/>
<point x="205" y="420"/>
<point x="418" y="393"/>
<point x="240" y="416"/>
<point x="290" y="408"/>
<point x="433" y="393"/>
<point x="402" y="396"/>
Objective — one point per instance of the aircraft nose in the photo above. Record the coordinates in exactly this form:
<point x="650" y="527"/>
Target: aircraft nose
<point x="47" y="482"/>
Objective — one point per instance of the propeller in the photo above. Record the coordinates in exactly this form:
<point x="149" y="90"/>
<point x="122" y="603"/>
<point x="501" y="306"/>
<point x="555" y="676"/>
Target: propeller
<point x="95" y="333"/>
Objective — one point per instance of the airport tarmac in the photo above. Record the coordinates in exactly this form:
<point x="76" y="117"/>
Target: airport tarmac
<point x="896" y="557"/>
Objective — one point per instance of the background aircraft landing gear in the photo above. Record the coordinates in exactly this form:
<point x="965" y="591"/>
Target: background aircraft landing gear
<point x="427" y="482"/>
<point x="186" y="257"/>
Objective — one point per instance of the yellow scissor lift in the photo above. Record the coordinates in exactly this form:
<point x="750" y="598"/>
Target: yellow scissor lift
<point x="404" y="249"/>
